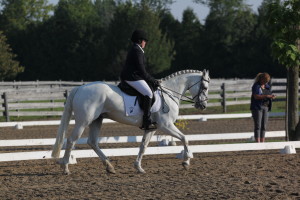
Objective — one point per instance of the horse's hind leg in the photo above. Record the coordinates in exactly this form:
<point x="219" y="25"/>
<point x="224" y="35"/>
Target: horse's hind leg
<point x="71" y="141"/>
<point x="145" y="141"/>
<point x="93" y="141"/>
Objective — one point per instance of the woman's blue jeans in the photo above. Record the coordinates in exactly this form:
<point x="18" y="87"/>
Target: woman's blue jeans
<point x="260" y="118"/>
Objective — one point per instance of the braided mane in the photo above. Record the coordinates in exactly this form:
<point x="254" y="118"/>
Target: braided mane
<point x="179" y="73"/>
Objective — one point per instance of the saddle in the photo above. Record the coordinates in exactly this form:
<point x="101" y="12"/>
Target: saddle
<point x="126" y="88"/>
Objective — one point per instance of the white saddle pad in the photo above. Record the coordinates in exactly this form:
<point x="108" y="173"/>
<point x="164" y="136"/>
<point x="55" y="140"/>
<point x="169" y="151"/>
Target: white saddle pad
<point x="131" y="109"/>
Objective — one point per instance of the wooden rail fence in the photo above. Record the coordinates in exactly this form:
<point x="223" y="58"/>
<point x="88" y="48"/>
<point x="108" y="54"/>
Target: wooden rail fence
<point x="46" y="98"/>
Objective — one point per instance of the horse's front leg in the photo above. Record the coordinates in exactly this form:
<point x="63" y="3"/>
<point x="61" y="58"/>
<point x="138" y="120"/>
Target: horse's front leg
<point x="145" y="141"/>
<point x="172" y="130"/>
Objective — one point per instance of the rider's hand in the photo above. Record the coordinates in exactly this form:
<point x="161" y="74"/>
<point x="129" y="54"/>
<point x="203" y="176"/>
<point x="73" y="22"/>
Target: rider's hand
<point x="156" y="83"/>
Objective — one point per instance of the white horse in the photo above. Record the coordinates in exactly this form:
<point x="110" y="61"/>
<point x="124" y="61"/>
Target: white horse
<point x="95" y="101"/>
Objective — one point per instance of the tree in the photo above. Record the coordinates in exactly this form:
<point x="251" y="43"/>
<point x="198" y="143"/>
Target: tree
<point x="88" y="40"/>
<point x="188" y="42"/>
<point x="68" y="46"/>
<point x="77" y="27"/>
<point x="284" y="27"/>
<point x="17" y="18"/>
<point x="17" y="15"/>
<point x="105" y="10"/>
<point x="169" y="25"/>
<point x="9" y="67"/>
<point x="127" y="18"/>
<point x="261" y="41"/>
<point x="155" y="5"/>
<point x="228" y="35"/>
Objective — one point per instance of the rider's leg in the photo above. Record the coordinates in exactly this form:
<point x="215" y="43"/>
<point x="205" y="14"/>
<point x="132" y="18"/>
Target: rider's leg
<point x="147" y="123"/>
<point x="142" y="87"/>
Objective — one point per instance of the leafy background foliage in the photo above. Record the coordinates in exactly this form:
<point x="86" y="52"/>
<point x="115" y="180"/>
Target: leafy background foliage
<point x="88" y="40"/>
<point x="284" y="26"/>
<point x="9" y="67"/>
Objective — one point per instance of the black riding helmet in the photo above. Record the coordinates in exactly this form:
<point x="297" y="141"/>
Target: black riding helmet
<point x="139" y="35"/>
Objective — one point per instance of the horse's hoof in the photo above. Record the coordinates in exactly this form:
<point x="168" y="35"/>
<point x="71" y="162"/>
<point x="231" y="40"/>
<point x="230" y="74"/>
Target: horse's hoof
<point x="185" y="165"/>
<point x="65" y="169"/>
<point x="109" y="168"/>
<point x="67" y="173"/>
<point x="111" y="171"/>
<point x="141" y="171"/>
<point x="139" y="168"/>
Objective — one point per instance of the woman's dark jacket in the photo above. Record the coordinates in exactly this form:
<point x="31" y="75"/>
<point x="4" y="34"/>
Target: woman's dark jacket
<point x="256" y="104"/>
<point x="134" y="68"/>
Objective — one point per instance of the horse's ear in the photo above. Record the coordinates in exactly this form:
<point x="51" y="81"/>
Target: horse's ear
<point x="206" y="71"/>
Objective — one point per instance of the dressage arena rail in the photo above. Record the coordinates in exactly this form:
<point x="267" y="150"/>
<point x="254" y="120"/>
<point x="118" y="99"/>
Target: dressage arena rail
<point x="46" y="98"/>
<point x="32" y="155"/>
<point x="36" y="155"/>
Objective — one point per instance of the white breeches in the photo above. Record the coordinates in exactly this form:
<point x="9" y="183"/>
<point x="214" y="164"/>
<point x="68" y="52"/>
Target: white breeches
<point x="142" y="87"/>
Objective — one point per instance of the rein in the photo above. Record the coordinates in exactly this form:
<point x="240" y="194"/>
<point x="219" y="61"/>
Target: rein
<point x="190" y="100"/>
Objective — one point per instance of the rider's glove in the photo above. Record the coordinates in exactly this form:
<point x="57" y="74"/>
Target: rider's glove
<point x="156" y="83"/>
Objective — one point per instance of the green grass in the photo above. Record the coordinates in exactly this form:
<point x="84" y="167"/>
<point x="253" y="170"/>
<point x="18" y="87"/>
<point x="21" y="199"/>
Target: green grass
<point x="245" y="108"/>
<point x="31" y="118"/>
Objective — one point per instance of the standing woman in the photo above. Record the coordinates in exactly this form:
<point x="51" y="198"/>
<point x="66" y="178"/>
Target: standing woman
<point x="134" y="74"/>
<point x="261" y="104"/>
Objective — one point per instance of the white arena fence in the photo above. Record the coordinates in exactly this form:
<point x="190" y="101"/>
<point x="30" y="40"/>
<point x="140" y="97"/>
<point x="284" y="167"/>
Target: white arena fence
<point x="37" y="155"/>
<point x="46" y="98"/>
<point x="285" y="147"/>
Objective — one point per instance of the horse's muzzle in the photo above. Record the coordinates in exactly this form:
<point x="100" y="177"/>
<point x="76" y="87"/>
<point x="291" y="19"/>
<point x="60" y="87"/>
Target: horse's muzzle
<point x="201" y="106"/>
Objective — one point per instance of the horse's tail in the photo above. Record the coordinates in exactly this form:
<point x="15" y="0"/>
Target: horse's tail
<point x="64" y="123"/>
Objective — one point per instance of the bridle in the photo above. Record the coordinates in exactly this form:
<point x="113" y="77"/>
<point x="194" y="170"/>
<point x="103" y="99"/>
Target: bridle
<point x="190" y="100"/>
<point x="201" y="89"/>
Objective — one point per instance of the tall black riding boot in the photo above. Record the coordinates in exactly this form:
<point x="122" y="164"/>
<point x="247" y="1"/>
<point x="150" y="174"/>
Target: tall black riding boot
<point x="147" y="123"/>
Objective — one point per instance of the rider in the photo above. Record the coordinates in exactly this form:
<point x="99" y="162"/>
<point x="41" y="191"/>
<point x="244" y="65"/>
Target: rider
<point x="134" y="73"/>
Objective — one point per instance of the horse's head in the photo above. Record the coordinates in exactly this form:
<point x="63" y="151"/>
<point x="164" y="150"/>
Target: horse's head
<point x="199" y="90"/>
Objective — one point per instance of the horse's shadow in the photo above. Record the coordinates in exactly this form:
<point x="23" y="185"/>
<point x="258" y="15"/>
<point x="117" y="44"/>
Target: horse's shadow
<point x="27" y="174"/>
